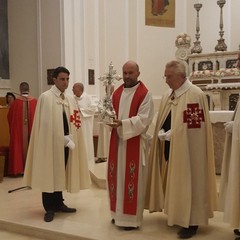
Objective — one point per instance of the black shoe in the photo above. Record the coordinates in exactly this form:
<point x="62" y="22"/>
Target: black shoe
<point x="100" y="160"/>
<point x="185" y="233"/>
<point x="130" y="228"/>
<point x="66" y="209"/>
<point x="237" y="232"/>
<point x="49" y="216"/>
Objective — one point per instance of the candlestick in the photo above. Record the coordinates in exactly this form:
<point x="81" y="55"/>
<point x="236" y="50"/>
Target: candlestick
<point x="197" y="44"/>
<point x="221" y="46"/>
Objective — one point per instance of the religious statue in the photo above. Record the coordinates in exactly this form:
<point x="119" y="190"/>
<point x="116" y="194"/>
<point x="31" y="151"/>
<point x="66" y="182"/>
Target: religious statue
<point x="105" y="108"/>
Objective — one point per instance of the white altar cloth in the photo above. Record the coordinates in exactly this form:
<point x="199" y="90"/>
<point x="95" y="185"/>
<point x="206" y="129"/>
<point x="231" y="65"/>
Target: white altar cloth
<point x="221" y="116"/>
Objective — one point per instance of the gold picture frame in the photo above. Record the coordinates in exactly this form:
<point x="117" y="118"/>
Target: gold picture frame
<point x="160" y="13"/>
<point x="50" y="76"/>
<point x="91" y="76"/>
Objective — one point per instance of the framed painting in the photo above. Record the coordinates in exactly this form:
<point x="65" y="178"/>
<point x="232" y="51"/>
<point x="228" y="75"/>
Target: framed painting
<point x="50" y="76"/>
<point x="91" y="77"/>
<point x="4" y="48"/>
<point x="160" y="13"/>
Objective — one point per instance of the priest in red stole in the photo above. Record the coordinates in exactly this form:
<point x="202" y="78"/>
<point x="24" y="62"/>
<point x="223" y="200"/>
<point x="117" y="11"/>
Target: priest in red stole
<point x="127" y="160"/>
<point x="20" y="119"/>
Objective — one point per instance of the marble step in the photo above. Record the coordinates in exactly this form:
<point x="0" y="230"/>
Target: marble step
<point x="98" y="174"/>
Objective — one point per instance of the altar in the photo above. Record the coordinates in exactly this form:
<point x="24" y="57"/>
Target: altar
<point x="217" y="75"/>
<point x="218" y="118"/>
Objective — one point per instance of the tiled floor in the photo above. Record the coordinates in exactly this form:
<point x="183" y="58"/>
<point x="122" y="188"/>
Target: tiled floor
<point x="22" y="212"/>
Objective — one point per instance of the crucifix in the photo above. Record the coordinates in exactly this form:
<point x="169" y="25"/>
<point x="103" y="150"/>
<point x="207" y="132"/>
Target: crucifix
<point x="105" y="108"/>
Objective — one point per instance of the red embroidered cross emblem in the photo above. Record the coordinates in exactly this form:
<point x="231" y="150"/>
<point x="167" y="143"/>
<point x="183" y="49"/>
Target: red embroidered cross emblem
<point x="193" y="116"/>
<point x="75" y="119"/>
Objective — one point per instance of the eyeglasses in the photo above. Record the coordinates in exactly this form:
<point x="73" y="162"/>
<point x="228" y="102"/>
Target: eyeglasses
<point x="167" y="77"/>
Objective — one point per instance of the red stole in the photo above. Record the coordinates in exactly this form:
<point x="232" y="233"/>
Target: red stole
<point x="132" y="157"/>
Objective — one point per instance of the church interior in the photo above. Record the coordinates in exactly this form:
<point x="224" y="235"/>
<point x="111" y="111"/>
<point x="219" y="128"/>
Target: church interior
<point x="87" y="36"/>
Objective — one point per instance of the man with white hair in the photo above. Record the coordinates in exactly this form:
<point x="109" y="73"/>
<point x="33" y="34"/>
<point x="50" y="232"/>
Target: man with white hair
<point x="87" y="111"/>
<point x="181" y="172"/>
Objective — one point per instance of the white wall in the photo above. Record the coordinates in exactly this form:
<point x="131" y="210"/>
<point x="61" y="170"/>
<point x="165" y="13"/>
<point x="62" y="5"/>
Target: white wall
<point x="23" y="60"/>
<point x="232" y="29"/>
<point x="89" y="34"/>
<point x="49" y="41"/>
<point x="157" y="46"/>
<point x="209" y="24"/>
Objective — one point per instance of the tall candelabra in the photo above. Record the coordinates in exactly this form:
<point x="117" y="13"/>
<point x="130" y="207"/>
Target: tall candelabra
<point x="197" y="44"/>
<point x="221" y="46"/>
<point x="105" y="108"/>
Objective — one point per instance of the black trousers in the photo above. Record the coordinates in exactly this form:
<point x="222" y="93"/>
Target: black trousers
<point x="166" y="126"/>
<point x="53" y="201"/>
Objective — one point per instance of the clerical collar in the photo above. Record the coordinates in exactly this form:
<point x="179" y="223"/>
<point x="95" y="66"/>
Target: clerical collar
<point x="131" y="89"/>
<point x="78" y="98"/>
<point x="133" y="85"/>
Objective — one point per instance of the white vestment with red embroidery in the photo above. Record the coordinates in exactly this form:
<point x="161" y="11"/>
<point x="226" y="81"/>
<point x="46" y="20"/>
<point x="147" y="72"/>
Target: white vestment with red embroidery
<point x="45" y="166"/>
<point x="189" y="197"/>
<point x="131" y="127"/>
<point x="87" y="111"/>
<point x="229" y="192"/>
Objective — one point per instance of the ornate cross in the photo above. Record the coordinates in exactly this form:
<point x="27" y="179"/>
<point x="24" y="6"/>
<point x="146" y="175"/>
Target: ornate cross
<point x="105" y="107"/>
<point x="75" y="119"/>
<point x="193" y="116"/>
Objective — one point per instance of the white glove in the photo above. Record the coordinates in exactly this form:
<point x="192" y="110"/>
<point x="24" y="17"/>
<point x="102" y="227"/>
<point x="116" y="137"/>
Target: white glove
<point x="68" y="142"/>
<point x="164" y="136"/>
<point x="228" y="126"/>
<point x="161" y="135"/>
<point x="168" y="135"/>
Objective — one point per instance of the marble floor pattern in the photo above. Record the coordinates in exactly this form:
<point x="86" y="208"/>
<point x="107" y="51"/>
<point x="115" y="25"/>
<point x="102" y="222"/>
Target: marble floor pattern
<point x="21" y="217"/>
